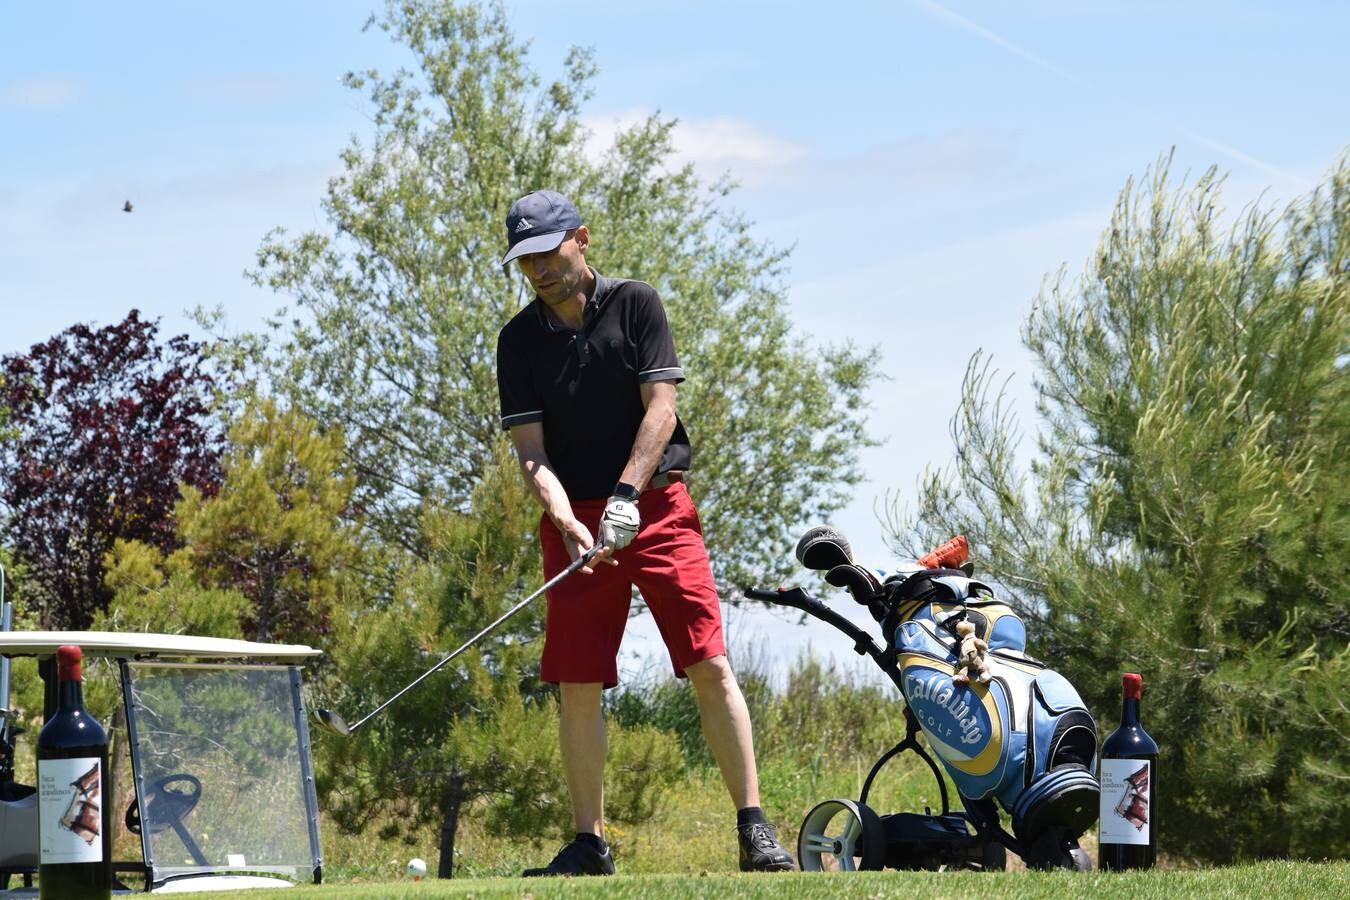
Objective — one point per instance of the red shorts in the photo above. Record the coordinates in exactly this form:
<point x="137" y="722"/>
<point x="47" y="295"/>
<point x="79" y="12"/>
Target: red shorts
<point x="668" y="563"/>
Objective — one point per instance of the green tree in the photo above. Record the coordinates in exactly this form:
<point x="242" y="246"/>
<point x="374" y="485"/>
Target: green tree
<point x="275" y="530"/>
<point x="152" y="592"/>
<point x="392" y="340"/>
<point x="480" y="733"/>
<point x="399" y="306"/>
<point x="266" y="556"/>
<point x="1187" y="512"/>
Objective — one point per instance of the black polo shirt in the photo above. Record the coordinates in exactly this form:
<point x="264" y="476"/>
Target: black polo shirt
<point x="583" y="385"/>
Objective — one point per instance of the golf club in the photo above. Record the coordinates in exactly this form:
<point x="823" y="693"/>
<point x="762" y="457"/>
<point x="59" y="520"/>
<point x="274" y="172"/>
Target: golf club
<point x="334" y="723"/>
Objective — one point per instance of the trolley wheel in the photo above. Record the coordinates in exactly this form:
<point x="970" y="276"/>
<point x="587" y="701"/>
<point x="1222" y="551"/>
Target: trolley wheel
<point x="841" y="836"/>
<point x="993" y="857"/>
<point x="1058" y="850"/>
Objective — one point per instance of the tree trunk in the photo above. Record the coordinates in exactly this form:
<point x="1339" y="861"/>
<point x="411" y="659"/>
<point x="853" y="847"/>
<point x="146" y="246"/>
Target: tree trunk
<point x="262" y="610"/>
<point x="451" y="801"/>
<point x="117" y="746"/>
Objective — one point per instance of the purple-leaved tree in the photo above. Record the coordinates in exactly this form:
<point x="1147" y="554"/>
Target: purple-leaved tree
<point x="105" y="424"/>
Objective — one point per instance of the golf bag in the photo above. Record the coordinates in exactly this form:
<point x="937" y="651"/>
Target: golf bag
<point x="1024" y="739"/>
<point x="1014" y="735"/>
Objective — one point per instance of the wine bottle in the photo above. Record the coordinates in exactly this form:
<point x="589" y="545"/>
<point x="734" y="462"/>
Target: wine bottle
<point x="74" y="825"/>
<point x="1128" y="767"/>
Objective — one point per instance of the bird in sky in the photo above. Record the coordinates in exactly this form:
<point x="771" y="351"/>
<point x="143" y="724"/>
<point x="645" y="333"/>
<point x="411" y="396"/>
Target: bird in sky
<point x="126" y="207"/>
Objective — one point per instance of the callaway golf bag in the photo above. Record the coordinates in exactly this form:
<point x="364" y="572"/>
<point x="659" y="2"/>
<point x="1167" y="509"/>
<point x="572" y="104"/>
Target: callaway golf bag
<point x="1013" y="735"/>
<point x="1024" y="739"/>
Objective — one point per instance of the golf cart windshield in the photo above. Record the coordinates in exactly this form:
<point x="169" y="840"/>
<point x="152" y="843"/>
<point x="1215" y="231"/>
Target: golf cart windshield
<point x="222" y="776"/>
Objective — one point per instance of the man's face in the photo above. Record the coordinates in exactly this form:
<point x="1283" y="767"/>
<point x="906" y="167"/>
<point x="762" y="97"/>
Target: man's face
<point x="557" y="276"/>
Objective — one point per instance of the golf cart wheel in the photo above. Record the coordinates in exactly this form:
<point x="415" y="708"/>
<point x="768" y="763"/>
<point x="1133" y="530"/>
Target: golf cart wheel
<point x="841" y="836"/>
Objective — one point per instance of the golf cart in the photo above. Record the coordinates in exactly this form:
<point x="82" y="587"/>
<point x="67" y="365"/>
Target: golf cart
<point x="213" y="733"/>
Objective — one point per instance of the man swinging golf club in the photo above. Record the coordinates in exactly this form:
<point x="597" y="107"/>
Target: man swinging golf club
<point x="587" y="375"/>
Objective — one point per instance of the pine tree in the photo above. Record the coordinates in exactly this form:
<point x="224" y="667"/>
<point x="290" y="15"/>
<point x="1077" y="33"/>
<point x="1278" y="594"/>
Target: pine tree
<point x="1187" y="511"/>
<point x="266" y="556"/>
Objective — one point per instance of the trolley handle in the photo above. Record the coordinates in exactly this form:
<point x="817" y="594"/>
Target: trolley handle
<point x="797" y="598"/>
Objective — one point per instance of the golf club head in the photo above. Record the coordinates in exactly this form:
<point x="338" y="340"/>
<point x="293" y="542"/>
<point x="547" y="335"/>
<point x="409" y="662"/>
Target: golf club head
<point x="822" y="548"/>
<point x="332" y="722"/>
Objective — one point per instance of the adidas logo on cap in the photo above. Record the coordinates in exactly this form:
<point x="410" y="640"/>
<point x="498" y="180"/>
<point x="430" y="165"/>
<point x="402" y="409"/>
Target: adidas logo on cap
<point x="537" y="223"/>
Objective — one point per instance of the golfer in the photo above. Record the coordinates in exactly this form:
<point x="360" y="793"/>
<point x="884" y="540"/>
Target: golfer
<point x="587" y="375"/>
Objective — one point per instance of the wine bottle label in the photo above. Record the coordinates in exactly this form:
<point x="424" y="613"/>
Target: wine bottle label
<point x="69" y="812"/>
<point x="1125" y="796"/>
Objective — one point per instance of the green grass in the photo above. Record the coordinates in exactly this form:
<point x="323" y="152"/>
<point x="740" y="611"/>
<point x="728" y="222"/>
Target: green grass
<point x="817" y="743"/>
<point x="1268" y="879"/>
<point x="694" y="832"/>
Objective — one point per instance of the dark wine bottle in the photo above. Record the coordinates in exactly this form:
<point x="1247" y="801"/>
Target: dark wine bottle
<point x="1128" y="768"/>
<point x="74" y="825"/>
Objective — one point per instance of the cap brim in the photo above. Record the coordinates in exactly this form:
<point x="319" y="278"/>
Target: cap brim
<point x="540" y="243"/>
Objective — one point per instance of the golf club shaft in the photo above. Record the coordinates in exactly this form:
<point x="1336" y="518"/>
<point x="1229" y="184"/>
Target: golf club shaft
<point x="576" y="564"/>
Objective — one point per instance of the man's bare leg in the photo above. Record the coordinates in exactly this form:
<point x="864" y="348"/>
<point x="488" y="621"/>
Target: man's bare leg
<point x="726" y="727"/>
<point x="584" y="747"/>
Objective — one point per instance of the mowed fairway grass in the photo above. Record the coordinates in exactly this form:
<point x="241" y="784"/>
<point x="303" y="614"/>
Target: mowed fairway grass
<point x="1281" y="880"/>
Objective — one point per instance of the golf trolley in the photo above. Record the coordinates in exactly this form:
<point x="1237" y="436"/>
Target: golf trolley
<point x="213" y="736"/>
<point x="1022" y="741"/>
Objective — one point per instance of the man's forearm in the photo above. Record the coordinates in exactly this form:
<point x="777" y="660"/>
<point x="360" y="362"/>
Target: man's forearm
<point x="658" y="424"/>
<point x="547" y="489"/>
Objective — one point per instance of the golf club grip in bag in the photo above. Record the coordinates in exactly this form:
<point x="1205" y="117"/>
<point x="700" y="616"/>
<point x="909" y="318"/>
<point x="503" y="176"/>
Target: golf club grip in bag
<point x="1025" y="739"/>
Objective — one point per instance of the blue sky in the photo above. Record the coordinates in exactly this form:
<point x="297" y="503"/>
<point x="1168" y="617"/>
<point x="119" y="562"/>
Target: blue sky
<point x="929" y="163"/>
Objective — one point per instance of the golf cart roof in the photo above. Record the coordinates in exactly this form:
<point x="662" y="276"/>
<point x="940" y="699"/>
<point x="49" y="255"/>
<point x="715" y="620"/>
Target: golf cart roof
<point x="137" y="645"/>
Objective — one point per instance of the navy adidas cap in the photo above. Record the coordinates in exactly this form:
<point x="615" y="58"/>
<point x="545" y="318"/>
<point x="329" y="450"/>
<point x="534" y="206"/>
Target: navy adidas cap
<point x="537" y="223"/>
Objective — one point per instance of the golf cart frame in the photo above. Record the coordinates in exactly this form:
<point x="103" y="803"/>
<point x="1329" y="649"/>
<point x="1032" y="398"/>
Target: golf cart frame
<point x="164" y="681"/>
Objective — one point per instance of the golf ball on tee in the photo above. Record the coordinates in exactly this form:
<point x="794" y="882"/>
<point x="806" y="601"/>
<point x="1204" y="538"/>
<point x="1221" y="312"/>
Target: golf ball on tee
<point x="416" y="867"/>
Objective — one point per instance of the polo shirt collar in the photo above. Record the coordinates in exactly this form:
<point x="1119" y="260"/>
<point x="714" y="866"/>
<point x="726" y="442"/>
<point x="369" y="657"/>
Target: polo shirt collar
<point x="599" y="292"/>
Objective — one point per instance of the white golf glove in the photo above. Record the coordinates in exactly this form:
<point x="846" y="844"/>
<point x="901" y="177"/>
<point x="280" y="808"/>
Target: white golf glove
<point x="620" y="523"/>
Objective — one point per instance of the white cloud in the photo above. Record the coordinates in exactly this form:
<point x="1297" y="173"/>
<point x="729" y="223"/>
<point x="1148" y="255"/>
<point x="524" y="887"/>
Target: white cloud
<point x="50" y="92"/>
<point x="734" y="144"/>
<point x="715" y="146"/>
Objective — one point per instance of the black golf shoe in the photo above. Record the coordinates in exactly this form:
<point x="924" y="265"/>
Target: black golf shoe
<point x="576" y="858"/>
<point x="760" y="850"/>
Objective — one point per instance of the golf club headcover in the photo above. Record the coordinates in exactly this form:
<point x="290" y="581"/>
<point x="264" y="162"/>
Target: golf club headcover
<point x="862" y="584"/>
<point x="950" y="554"/>
<point x="822" y="548"/>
